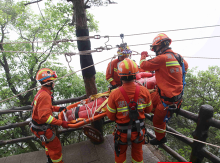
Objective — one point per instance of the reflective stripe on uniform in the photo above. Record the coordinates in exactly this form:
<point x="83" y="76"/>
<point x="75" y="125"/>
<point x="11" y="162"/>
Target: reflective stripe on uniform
<point x="159" y="131"/>
<point x="172" y="63"/>
<point x="110" y="80"/>
<point x="142" y="61"/>
<point x="46" y="149"/>
<point x="123" y="109"/>
<point x="49" y="120"/>
<point x="35" y="102"/>
<point x="133" y="161"/>
<point x="141" y="106"/>
<point x="115" y="69"/>
<point x="110" y="109"/>
<point x="58" y="160"/>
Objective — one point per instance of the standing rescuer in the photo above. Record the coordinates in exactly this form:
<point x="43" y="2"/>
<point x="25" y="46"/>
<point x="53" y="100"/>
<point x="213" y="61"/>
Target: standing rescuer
<point x="42" y="118"/>
<point x="126" y="106"/>
<point x="170" y="71"/>
<point x="111" y="72"/>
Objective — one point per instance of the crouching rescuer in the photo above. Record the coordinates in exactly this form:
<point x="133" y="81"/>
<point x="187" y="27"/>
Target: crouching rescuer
<point x="126" y="106"/>
<point x="43" y="122"/>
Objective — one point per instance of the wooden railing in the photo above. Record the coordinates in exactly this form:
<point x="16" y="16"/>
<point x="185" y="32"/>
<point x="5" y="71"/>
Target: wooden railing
<point x="204" y="120"/>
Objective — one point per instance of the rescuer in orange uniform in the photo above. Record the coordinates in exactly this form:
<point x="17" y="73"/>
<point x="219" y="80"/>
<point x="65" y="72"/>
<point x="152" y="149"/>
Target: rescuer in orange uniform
<point x="111" y="72"/>
<point x="42" y="118"/>
<point x="126" y="106"/>
<point x="170" y="78"/>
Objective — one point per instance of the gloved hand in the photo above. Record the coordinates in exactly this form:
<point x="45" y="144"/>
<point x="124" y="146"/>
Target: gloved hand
<point x="65" y="124"/>
<point x="113" y="87"/>
<point x="144" y="54"/>
<point x="62" y="108"/>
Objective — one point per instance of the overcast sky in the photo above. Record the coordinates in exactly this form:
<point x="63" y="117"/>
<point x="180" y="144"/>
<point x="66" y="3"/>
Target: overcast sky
<point x="143" y="16"/>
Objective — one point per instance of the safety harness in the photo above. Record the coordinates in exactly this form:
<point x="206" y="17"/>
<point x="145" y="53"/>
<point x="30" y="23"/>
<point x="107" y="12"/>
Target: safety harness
<point x="174" y="98"/>
<point x="134" y="125"/>
<point x="41" y="127"/>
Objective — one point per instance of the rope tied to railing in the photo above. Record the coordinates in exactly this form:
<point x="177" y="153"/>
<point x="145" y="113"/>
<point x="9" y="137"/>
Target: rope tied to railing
<point x="183" y="136"/>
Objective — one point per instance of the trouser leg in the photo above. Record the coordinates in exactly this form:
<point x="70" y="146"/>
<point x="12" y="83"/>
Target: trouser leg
<point x="122" y="156"/>
<point x="158" y="121"/>
<point x="137" y="152"/>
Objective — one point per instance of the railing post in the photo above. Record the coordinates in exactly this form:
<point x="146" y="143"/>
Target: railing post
<point x="201" y="133"/>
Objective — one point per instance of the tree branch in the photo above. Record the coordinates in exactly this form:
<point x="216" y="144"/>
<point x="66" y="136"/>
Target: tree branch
<point x="39" y="66"/>
<point x="32" y="2"/>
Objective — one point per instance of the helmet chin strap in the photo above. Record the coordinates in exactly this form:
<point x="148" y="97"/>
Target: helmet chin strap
<point x="157" y="52"/>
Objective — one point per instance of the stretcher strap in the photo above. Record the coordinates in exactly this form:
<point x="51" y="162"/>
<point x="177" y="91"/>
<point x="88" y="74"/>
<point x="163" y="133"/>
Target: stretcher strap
<point x="102" y="105"/>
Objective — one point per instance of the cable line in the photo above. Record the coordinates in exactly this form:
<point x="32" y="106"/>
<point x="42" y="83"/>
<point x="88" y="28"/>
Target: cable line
<point x="169" y="30"/>
<point x="188" y="39"/>
<point x="82" y="38"/>
<point x="98" y="36"/>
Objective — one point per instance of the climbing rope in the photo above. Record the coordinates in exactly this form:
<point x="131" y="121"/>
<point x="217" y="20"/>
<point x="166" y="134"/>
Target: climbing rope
<point x="82" y="38"/>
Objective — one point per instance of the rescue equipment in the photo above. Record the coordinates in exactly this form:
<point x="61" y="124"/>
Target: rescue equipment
<point x="146" y="79"/>
<point x="86" y="111"/>
<point x="42" y="127"/>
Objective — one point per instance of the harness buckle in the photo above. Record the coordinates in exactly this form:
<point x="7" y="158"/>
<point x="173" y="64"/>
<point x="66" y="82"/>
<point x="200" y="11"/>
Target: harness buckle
<point x="43" y="138"/>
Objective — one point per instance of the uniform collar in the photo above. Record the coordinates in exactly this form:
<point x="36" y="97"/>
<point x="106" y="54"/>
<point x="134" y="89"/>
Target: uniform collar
<point x="167" y="50"/>
<point x="47" y="90"/>
<point x="128" y="84"/>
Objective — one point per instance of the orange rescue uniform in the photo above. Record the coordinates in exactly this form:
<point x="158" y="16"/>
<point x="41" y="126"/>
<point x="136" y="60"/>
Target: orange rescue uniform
<point x="112" y="73"/>
<point x="42" y="114"/>
<point x="168" y="73"/>
<point x="117" y="111"/>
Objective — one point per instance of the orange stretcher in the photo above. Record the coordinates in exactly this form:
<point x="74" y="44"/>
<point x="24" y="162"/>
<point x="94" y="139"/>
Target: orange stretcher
<point x="86" y="111"/>
<point x="94" y="108"/>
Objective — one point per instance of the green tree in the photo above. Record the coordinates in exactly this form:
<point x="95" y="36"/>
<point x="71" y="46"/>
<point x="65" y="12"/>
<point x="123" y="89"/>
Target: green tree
<point x="18" y="70"/>
<point x="201" y="88"/>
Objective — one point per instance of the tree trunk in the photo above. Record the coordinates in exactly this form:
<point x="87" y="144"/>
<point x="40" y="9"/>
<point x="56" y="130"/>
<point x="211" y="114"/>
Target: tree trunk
<point x="85" y="60"/>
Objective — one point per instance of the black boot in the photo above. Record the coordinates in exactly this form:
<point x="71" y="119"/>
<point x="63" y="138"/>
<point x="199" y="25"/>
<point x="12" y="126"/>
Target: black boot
<point x="157" y="142"/>
<point x="49" y="160"/>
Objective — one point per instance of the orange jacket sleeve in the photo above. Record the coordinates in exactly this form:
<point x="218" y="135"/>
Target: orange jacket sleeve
<point x="111" y="108"/>
<point x="45" y="111"/>
<point x="109" y="76"/>
<point x="152" y="64"/>
<point x="55" y="108"/>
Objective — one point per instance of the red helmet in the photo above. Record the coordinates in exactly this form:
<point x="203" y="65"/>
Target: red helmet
<point x="159" y="39"/>
<point x="46" y="74"/>
<point x="127" y="67"/>
<point x="124" y="51"/>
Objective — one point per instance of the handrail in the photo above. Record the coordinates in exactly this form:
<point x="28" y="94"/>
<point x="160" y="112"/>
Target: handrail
<point x="24" y="139"/>
<point x="29" y="107"/>
<point x="199" y="151"/>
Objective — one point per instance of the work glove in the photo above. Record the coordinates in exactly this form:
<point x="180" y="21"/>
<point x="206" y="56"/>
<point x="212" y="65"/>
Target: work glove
<point x="65" y="124"/>
<point x="144" y="54"/>
<point x="62" y="108"/>
<point x="113" y="87"/>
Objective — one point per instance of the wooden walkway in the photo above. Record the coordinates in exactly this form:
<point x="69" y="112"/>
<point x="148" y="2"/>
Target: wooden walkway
<point x="85" y="152"/>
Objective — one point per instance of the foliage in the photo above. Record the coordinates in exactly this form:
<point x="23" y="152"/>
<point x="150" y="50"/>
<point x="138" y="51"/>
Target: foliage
<point x="18" y="23"/>
<point x="202" y="88"/>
